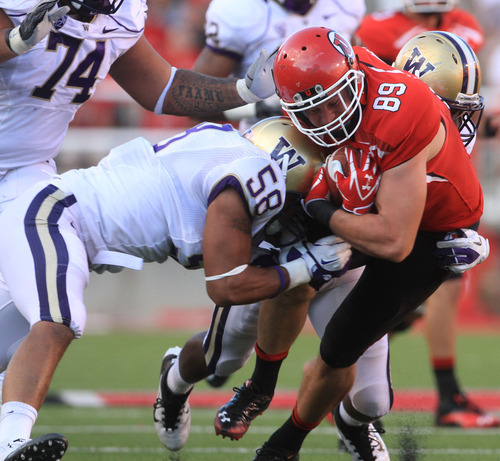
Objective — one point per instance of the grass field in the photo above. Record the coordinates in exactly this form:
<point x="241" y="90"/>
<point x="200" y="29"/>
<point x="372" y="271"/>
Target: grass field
<point x="130" y="362"/>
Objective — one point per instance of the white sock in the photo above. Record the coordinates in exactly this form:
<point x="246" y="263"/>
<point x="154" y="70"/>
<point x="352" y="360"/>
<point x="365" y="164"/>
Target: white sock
<point x="16" y="421"/>
<point x="349" y="420"/>
<point x="175" y="382"/>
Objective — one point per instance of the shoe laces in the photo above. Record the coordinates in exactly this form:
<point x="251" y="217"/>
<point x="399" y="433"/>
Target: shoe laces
<point x="366" y="433"/>
<point x="249" y="397"/>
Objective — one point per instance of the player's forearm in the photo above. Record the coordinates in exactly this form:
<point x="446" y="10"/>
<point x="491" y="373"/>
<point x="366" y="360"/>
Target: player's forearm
<point x="195" y="94"/>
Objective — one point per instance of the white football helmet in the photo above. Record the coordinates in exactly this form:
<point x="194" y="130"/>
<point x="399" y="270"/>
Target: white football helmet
<point x="297" y="6"/>
<point x="300" y="159"/>
<point x="429" y="6"/>
<point x="449" y="66"/>
<point x="315" y="66"/>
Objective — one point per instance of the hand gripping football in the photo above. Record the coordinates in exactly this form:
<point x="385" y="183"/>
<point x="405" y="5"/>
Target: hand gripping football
<point x="353" y="178"/>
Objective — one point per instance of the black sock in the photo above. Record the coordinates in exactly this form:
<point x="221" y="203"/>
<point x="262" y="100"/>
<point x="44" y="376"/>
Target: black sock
<point x="447" y="384"/>
<point x="267" y="368"/>
<point x="291" y="435"/>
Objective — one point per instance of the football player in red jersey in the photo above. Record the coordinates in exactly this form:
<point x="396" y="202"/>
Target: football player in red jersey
<point x="340" y="96"/>
<point x="385" y="32"/>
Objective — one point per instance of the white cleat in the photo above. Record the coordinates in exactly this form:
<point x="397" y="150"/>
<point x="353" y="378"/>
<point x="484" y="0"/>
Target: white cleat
<point x="362" y="442"/>
<point x="171" y="412"/>
<point x="48" y="447"/>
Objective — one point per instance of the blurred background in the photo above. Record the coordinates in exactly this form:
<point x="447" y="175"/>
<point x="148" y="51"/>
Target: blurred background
<point x="168" y="296"/>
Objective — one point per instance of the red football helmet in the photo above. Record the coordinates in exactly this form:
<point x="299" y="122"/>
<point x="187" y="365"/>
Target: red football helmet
<point x="317" y="66"/>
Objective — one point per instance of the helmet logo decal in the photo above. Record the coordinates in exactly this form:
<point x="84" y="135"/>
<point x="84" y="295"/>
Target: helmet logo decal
<point x="341" y="44"/>
<point x="418" y="67"/>
<point x="287" y="159"/>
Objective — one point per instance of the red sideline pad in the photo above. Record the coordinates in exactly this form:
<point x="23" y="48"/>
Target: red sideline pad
<point x="404" y="400"/>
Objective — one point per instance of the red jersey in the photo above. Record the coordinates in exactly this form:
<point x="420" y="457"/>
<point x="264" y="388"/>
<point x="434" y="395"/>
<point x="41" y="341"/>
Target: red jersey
<point x="401" y="115"/>
<point x="385" y="33"/>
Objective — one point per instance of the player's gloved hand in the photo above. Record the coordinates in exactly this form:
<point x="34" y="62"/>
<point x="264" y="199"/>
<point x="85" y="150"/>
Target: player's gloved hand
<point x="462" y="250"/>
<point x="35" y="27"/>
<point x="258" y="83"/>
<point x="317" y="202"/>
<point x="316" y="262"/>
<point x="359" y="187"/>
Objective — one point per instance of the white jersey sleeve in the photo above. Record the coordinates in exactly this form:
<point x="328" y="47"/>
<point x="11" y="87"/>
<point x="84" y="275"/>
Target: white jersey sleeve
<point x="41" y="90"/>
<point x="151" y="201"/>
<point x="241" y="28"/>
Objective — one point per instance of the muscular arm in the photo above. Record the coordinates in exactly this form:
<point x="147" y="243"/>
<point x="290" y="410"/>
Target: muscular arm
<point x="143" y="74"/>
<point x="400" y="201"/>
<point x="227" y="243"/>
<point x="5" y="24"/>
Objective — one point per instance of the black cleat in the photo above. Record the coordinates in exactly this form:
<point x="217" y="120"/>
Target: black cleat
<point x="266" y="453"/>
<point x="234" y="418"/>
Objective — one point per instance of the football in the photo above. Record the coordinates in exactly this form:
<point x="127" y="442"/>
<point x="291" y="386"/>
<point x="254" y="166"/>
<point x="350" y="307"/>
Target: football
<point x="339" y="161"/>
<point x="361" y="183"/>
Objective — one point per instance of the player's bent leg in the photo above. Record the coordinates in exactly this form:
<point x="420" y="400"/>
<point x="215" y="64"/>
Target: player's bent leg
<point x="280" y="321"/>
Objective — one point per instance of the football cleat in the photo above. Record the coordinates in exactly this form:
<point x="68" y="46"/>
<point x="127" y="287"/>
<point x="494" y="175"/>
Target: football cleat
<point x="234" y="418"/>
<point x="362" y="442"/>
<point x="266" y="453"/>
<point x="171" y="412"/>
<point x="465" y="414"/>
<point x="48" y="447"/>
<point x="216" y="380"/>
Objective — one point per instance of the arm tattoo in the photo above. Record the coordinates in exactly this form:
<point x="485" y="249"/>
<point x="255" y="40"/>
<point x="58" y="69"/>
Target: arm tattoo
<point x="195" y="94"/>
<point x="242" y="225"/>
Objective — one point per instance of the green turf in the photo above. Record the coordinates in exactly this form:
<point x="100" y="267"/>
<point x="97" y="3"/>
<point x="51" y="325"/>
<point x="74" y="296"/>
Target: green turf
<point x="130" y="361"/>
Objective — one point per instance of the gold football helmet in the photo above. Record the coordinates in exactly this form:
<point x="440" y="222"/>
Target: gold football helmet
<point x="449" y="66"/>
<point x="298" y="156"/>
<point x="300" y="159"/>
<point x="429" y="6"/>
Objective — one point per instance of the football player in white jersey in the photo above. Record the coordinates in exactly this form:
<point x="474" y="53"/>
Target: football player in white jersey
<point x="52" y="56"/>
<point x="206" y="196"/>
<point x="236" y="30"/>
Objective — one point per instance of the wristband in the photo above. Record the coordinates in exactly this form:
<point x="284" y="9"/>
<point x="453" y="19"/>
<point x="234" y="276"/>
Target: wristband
<point x="298" y="272"/>
<point x="245" y="93"/>
<point x="282" y="280"/>
<point x="158" y="110"/>
<point x="321" y="210"/>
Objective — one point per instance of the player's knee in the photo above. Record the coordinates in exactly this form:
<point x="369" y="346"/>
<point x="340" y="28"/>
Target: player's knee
<point x="373" y="402"/>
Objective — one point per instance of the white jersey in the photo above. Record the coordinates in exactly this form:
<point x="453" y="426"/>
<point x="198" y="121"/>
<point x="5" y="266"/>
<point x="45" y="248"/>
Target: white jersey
<point x="241" y="28"/>
<point x="41" y="90"/>
<point x="151" y="201"/>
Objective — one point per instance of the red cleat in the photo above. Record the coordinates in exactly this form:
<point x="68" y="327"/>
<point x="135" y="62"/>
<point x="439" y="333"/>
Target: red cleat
<point x="465" y="414"/>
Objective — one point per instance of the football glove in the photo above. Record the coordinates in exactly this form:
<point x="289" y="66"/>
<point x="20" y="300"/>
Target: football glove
<point x="324" y="259"/>
<point x="462" y="250"/>
<point x="258" y="83"/>
<point x="359" y="187"/>
<point x="35" y="27"/>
